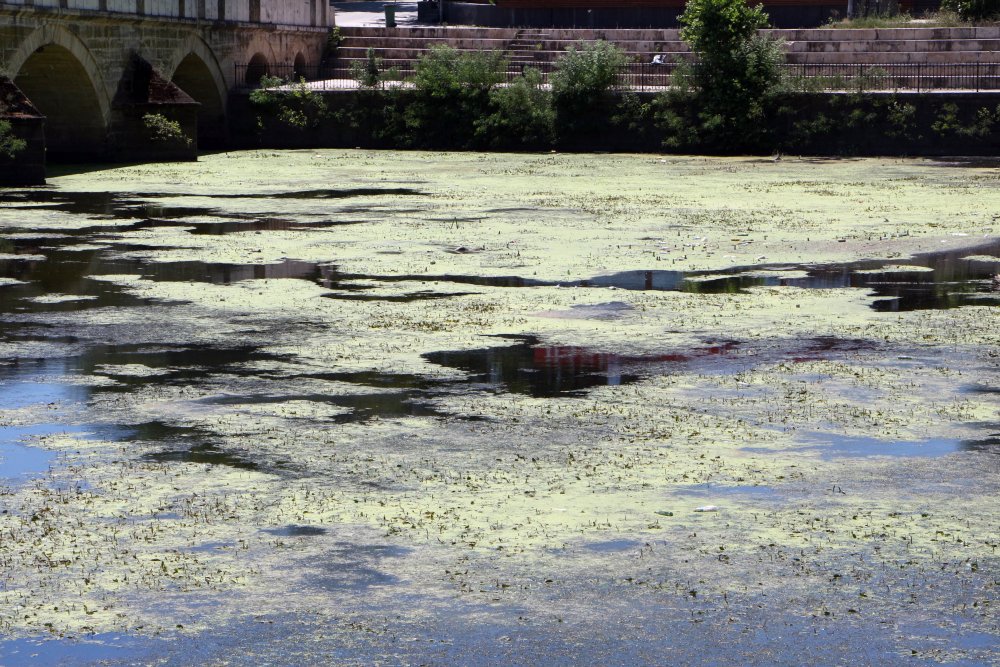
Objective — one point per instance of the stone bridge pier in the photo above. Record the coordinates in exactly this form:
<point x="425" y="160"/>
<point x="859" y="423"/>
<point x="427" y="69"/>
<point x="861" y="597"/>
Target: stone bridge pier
<point x="95" y="68"/>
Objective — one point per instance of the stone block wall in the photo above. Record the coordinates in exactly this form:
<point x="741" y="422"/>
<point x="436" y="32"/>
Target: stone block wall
<point x="313" y="13"/>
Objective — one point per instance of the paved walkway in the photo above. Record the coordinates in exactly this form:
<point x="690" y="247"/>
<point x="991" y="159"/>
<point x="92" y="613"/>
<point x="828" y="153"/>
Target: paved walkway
<point x="371" y="13"/>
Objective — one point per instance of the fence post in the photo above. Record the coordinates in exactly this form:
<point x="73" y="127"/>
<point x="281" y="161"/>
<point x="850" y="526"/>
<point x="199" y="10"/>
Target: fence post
<point x="977" y="76"/>
<point x="918" y="77"/>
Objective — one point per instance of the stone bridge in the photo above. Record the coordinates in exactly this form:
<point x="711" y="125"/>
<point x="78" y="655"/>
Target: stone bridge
<point x="77" y="60"/>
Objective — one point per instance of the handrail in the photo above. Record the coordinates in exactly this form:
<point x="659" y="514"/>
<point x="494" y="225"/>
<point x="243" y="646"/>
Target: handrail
<point x="801" y="77"/>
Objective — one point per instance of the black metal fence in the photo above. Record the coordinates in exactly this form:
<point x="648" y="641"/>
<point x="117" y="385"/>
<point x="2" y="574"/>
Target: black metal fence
<point x="858" y="77"/>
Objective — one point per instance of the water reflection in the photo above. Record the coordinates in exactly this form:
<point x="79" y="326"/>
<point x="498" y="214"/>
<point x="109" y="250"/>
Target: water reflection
<point x="951" y="281"/>
<point x="527" y="367"/>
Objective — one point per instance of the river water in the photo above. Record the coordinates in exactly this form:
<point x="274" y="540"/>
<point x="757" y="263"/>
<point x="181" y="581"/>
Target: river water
<point x="212" y="400"/>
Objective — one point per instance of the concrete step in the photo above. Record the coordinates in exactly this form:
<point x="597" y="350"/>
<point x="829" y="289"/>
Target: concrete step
<point x="899" y="46"/>
<point x="816" y="34"/>
<point x="424" y="43"/>
<point x="437" y="32"/>
<point x="548" y="57"/>
<point x="871" y="34"/>
<point x="643" y="47"/>
<point x="625" y="34"/>
<point x="882" y="57"/>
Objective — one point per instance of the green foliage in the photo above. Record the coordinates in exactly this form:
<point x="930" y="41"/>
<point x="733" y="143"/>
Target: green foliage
<point x="333" y="40"/>
<point x="736" y="70"/>
<point x="369" y="73"/>
<point x="582" y="85"/>
<point x="718" y="30"/>
<point x="942" y="19"/>
<point x="588" y="72"/>
<point x="292" y="104"/>
<point x="164" y="130"/>
<point x="901" y="119"/>
<point x="451" y="90"/>
<point x="522" y="115"/>
<point x="973" y="10"/>
<point x="949" y="123"/>
<point x="10" y="144"/>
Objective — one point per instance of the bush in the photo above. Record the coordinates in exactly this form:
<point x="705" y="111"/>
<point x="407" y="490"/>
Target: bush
<point x="165" y="131"/>
<point x="949" y="122"/>
<point x="369" y="73"/>
<point x="522" y="115"/>
<point x="735" y="73"/>
<point x="293" y="104"/>
<point x="451" y="90"/>
<point x="972" y="10"/>
<point x="582" y="85"/>
<point x="10" y="145"/>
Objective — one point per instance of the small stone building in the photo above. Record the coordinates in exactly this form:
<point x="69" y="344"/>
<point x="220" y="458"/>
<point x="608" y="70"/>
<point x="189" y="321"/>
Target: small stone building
<point x="27" y="165"/>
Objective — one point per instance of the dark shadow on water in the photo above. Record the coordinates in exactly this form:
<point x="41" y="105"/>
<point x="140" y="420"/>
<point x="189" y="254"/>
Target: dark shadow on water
<point x="527" y="367"/>
<point x="989" y="444"/>
<point x="354" y="567"/>
<point x="484" y="281"/>
<point x="177" y="365"/>
<point x="294" y="530"/>
<point x="207" y="454"/>
<point x="966" y="161"/>
<point x="612" y="546"/>
<point x="950" y="282"/>
<point x="184" y="444"/>
<point x="409" y="297"/>
<point x="361" y="407"/>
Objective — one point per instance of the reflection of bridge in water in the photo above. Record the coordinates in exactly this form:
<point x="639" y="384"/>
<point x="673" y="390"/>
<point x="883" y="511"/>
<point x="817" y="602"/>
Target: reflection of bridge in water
<point x="90" y="66"/>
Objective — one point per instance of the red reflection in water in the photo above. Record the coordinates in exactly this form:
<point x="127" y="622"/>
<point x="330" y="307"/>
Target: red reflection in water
<point x="580" y="358"/>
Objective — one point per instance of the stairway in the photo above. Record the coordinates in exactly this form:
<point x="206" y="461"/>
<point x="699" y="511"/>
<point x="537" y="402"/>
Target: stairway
<point x="401" y="47"/>
<point x="525" y="48"/>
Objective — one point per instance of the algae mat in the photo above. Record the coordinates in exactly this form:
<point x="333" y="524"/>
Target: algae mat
<point x="349" y="407"/>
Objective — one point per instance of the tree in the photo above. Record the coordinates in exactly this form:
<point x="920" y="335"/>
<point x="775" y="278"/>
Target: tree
<point x="736" y="69"/>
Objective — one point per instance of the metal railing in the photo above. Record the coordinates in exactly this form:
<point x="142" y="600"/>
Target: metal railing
<point x="809" y="77"/>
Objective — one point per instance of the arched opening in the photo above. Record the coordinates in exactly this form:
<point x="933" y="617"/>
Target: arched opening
<point x="300" y="66"/>
<point x="256" y="69"/>
<point x="195" y="78"/>
<point x="58" y="85"/>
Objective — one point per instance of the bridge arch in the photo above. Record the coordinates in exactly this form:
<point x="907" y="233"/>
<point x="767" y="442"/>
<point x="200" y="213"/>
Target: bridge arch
<point x="257" y="68"/>
<point x="58" y="73"/>
<point x="299" y="67"/>
<point x="196" y="71"/>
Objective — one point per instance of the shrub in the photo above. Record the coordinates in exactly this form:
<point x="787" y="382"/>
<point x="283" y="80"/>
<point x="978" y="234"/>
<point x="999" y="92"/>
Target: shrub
<point x="451" y="90"/>
<point x="333" y="41"/>
<point x="165" y="131"/>
<point x="369" y="73"/>
<point x="901" y="119"/>
<point x="972" y="10"/>
<point x="522" y="115"/>
<point x="10" y="145"/>
<point x="949" y="123"/>
<point x="293" y="104"/>
<point x="582" y="85"/>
